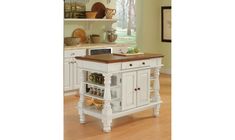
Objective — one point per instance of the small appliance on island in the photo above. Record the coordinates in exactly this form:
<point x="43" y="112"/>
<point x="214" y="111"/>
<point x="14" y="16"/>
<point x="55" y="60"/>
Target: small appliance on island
<point x="118" y="86"/>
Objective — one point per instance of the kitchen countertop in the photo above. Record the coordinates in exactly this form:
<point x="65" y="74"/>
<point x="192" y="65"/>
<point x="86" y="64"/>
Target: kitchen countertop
<point x="99" y="45"/>
<point x="114" y="58"/>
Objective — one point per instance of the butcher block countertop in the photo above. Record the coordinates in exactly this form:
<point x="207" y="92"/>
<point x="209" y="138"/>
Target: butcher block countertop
<point x="115" y="58"/>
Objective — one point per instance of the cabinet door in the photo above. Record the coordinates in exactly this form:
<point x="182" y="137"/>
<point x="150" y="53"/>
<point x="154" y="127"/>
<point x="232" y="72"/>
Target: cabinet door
<point x="128" y="90"/>
<point x="76" y="76"/>
<point x="143" y="85"/>
<point x="67" y="75"/>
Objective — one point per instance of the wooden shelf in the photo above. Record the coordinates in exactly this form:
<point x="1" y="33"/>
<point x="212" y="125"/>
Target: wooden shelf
<point x="94" y="84"/>
<point x="94" y="96"/>
<point x="100" y="85"/>
<point x="99" y="97"/>
<point x="91" y="110"/>
<point x="153" y="78"/>
<point x="98" y="45"/>
<point x="89" y="20"/>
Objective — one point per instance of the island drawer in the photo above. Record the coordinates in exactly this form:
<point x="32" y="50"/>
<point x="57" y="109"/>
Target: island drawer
<point x="135" y="64"/>
<point x="73" y="53"/>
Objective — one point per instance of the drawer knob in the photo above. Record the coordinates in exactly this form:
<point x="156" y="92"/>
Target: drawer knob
<point x="138" y="88"/>
<point x="143" y="63"/>
<point x="130" y="64"/>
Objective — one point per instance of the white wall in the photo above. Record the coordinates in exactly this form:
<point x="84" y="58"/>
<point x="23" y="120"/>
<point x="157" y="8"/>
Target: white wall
<point x="97" y="28"/>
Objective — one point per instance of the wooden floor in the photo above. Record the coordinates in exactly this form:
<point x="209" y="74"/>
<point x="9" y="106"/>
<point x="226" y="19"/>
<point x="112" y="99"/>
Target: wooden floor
<point x="139" y="126"/>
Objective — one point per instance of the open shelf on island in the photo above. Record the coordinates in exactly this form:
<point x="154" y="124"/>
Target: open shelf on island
<point x="153" y="78"/>
<point x="98" y="97"/>
<point x="94" y="96"/>
<point x="94" y="84"/>
<point x="100" y="85"/>
<point x="91" y="110"/>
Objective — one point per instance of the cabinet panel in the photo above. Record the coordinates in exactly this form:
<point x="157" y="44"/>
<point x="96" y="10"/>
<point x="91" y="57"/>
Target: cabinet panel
<point x="71" y="73"/>
<point x="143" y="85"/>
<point x="73" y="53"/>
<point x="128" y="90"/>
<point x="76" y="76"/>
<point x="67" y="78"/>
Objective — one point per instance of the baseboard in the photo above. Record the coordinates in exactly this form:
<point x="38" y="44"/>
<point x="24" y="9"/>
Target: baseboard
<point x="165" y="71"/>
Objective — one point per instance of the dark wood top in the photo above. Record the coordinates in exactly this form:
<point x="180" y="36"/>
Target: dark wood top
<point x="114" y="58"/>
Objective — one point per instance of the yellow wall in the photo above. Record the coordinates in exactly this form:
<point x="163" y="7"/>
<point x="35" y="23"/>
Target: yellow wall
<point x="149" y="29"/>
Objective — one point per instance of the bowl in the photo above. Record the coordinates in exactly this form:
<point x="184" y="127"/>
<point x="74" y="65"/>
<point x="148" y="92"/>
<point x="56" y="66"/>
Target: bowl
<point x="95" y="38"/>
<point x="91" y="14"/>
<point x="71" y="41"/>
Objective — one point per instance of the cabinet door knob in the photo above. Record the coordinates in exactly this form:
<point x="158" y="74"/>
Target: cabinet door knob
<point x="138" y="88"/>
<point x="130" y="64"/>
<point x="143" y="63"/>
<point x="135" y="89"/>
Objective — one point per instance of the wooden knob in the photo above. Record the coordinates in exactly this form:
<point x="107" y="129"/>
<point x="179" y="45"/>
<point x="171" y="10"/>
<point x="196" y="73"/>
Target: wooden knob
<point x="130" y="64"/>
<point x="135" y="89"/>
<point x="143" y="63"/>
<point x="138" y="88"/>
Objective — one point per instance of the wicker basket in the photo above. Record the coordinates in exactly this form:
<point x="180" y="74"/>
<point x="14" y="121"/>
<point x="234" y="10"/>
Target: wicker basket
<point x="71" y="41"/>
<point x="95" y="38"/>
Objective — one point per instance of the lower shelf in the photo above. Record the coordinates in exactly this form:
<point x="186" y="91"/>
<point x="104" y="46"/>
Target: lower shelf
<point x="134" y="110"/>
<point x="92" y="111"/>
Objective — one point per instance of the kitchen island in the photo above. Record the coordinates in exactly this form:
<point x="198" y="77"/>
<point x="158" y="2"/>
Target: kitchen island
<point x="113" y="86"/>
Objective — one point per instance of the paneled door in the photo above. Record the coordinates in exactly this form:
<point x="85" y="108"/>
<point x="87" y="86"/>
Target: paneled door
<point x="67" y="74"/>
<point x="76" y="75"/>
<point x="143" y="85"/>
<point x="128" y="90"/>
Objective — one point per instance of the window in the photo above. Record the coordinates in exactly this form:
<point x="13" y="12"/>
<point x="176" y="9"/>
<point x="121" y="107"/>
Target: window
<point x="126" y="25"/>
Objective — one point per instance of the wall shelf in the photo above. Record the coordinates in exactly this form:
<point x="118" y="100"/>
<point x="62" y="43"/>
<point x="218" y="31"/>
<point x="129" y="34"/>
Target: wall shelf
<point x="89" y="20"/>
<point x="98" y="45"/>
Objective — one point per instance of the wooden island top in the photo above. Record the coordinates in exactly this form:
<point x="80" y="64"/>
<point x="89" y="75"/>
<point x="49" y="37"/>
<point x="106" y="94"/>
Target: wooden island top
<point x="115" y="58"/>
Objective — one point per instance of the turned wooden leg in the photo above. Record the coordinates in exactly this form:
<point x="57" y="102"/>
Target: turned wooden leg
<point x="82" y="115"/>
<point x="156" y="110"/>
<point x="107" y="110"/>
<point x="157" y="97"/>
<point x="107" y="117"/>
<point x="81" y="100"/>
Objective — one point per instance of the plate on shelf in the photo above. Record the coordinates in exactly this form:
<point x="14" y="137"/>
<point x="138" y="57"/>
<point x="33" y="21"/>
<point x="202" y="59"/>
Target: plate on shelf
<point x="99" y="8"/>
<point x="80" y="33"/>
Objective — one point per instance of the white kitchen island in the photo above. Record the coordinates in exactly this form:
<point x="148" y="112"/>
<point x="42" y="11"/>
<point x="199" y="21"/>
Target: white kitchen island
<point x="122" y="85"/>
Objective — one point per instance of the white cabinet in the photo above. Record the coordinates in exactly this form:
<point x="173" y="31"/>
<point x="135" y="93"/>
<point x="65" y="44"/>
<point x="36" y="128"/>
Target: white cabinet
<point x="71" y="73"/>
<point x="143" y="85"/>
<point x="67" y="74"/>
<point x="135" y="89"/>
<point x="128" y="90"/>
<point x="76" y="75"/>
<point x="130" y="80"/>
